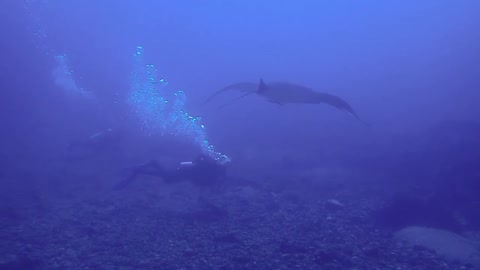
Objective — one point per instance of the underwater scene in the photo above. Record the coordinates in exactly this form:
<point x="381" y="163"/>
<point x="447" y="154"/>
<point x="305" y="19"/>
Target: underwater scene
<point x="185" y="135"/>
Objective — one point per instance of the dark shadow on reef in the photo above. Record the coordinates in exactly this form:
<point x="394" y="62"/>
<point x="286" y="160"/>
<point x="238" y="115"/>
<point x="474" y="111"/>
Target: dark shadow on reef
<point x="438" y="181"/>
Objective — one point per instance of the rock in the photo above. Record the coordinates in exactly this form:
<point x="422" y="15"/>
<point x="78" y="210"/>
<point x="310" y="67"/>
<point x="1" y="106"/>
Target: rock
<point x="448" y="244"/>
<point x="334" y="204"/>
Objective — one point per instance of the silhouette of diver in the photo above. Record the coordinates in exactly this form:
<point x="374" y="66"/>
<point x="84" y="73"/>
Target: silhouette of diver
<point x="203" y="171"/>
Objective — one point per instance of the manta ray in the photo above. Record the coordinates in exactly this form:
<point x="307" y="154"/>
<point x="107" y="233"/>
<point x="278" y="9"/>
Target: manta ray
<point x="288" y="93"/>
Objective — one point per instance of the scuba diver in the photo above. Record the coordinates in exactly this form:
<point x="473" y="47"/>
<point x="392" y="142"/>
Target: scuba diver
<point x="203" y="171"/>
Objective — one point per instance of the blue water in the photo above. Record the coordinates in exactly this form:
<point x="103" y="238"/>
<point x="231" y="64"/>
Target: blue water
<point x="90" y="90"/>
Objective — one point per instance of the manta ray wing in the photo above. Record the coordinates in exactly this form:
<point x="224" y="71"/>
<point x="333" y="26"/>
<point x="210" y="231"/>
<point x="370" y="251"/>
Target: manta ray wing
<point x="288" y="93"/>
<point x="338" y="103"/>
<point x="241" y="86"/>
<point x="240" y="97"/>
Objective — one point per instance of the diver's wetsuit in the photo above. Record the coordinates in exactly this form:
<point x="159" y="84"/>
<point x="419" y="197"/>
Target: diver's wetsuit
<point x="204" y="171"/>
